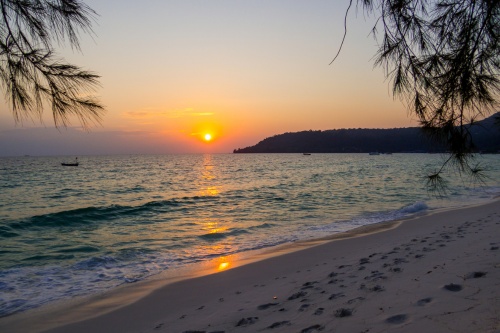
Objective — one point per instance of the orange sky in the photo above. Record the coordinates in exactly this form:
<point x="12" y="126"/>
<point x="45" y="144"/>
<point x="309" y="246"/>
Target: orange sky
<point x="242" y="71"/>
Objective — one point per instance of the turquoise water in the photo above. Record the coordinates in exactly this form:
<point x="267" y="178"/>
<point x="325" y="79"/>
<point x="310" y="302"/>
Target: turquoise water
<point x="71" y="231"/>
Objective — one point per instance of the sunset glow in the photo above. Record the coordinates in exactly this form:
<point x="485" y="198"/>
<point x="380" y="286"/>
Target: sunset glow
<point x="241" y="91"/>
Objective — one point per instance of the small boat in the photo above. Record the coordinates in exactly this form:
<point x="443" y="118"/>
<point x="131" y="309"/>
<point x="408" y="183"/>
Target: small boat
<point x="374" y="153"/>
<point x="307" y="154"/>
<point x="75" y="163"/>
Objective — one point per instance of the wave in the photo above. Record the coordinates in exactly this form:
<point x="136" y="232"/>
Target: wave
<point x="221" y="235"/>
<point x="414" y="208"/>
<point x="372" y="218"/>
<point x="103" y="261"/>
<point x="7" y="186"/>
<point x="263" y="226"/>
<point x="92" y="215"/>
<point x="82" y="249"/>
<point x="214" y="236"/>
<point x="405" y="211"/>
<point x="6" y="232"/>
<point x="48" y="257"/>
<point x="237" y="232"/>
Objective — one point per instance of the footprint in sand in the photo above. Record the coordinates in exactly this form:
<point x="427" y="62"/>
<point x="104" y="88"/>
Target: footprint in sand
<point x="314" y="328"/>
<point x="319" y="311"/>
<point x="332" y="274"/>
<point x="279" y="324"/>
<point x="304" y="307"/>
<point x="247" y="321"/>
<point x="343" y="312"/>
<point x="364" y="261"/>
<point x="308" y="285"/>
<point x="475" y="275"/>
<point x="453" y="287"/>
<point x="355" y="300"/>
<point x="376" y="288"/>
<point x="297" y="295"/>
<point x="424" y="301"/>
<point x="397" y="319"/>
<point x="266" y="306"/>
<point x="335" y="296"/>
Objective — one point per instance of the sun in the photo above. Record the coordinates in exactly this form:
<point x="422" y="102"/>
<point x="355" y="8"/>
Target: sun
<point x="207" y="137"/>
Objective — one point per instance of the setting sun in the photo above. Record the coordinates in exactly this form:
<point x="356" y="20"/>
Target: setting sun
<point x="208" y="137"/>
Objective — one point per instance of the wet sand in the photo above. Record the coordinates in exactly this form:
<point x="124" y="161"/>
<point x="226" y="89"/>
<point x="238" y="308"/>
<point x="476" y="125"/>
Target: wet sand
<point x="434" y="273"/>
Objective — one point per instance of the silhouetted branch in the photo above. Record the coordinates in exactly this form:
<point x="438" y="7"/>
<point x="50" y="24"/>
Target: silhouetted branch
<point x="345" y="33"/>
<point x="443" y="60"/>
<point x="30" y="74"/>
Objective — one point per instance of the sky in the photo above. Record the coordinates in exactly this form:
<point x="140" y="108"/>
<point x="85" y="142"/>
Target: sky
<point x="241" y="70"/>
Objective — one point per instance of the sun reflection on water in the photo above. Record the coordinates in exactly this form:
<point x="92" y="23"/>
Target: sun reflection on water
<point x="213" y="227"/>
<point x="209" y="177"/>
<point x="210" y="191"/>
<point x="223" y="265"/>
<point x="209" y="185"/>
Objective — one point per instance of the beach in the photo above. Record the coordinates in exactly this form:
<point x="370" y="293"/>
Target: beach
<point x="434" y="273"/>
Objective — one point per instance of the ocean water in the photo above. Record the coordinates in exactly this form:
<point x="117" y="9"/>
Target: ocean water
<point x="72" y="231"/>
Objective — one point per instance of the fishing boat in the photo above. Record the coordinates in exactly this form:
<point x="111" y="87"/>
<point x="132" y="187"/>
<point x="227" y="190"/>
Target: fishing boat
<point x="75" y="163"/>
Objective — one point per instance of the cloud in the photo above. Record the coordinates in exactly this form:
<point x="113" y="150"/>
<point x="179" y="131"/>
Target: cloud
<point x="201" y="114"/>
<point x="188" y="112"/>
<point x="151" y="113"/>
<point x="137" y="114"/>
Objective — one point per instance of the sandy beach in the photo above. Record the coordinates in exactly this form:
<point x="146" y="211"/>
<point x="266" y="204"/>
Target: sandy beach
<point x="435" y="273"/>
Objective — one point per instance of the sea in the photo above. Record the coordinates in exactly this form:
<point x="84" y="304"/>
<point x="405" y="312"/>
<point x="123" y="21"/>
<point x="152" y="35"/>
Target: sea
<point x="69" y="232"/>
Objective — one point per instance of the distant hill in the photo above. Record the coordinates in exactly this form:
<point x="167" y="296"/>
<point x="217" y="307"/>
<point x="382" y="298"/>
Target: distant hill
<point x="486" y="136"/>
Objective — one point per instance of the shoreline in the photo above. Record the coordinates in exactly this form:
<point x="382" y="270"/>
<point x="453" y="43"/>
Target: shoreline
<point x="88" y="307"/>
<point x="218" y="302"/>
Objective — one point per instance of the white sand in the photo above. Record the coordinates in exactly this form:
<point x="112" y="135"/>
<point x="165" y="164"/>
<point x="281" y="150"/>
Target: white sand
<point x="436" y="273"/>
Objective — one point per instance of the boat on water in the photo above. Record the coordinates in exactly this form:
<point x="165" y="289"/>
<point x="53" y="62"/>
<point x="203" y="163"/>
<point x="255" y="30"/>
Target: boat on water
<point x="75" y="163"/>
<point x="306" y="154"/>
<point x="374" y="153"/>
